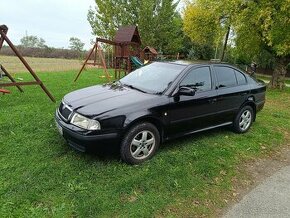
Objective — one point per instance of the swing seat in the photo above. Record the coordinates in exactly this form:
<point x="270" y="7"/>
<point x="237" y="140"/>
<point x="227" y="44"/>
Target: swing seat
<point x="4" y="91"/>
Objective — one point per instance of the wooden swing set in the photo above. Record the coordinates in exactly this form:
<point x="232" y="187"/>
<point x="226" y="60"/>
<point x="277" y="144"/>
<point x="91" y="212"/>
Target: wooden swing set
<point x="3" y="37"/>
<point x="127" y="44"/>
<point x="97" y="51"/>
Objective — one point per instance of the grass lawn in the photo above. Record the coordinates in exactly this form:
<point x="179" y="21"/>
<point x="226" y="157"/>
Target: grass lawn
<point x="192" y="176"/>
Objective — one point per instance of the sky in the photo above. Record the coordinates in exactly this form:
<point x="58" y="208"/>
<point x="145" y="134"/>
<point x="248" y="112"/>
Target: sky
<point x="53" y="20"/>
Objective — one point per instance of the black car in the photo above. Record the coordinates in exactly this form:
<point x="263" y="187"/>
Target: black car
<point x="158" y="102"/>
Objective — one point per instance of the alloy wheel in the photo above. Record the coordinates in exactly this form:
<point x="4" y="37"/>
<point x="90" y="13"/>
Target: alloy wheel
<point x="142" y="144"/>
<point x="245" y="120"/>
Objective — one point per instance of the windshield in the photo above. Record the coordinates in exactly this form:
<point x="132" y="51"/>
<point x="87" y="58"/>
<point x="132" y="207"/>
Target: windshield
<point x="153" y="78"/>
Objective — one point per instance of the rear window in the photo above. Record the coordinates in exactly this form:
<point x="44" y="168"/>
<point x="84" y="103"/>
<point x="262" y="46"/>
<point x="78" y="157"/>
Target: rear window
<point x="240" y="78"/>
<point x="226" y="76"/>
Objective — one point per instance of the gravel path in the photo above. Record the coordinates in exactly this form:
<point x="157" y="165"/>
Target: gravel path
<point x="267" y="81"/>
<point x="269" y="199"/>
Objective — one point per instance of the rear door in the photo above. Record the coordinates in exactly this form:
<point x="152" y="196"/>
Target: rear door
<point x="232" y="90"/>
<point x="189" y="113"/>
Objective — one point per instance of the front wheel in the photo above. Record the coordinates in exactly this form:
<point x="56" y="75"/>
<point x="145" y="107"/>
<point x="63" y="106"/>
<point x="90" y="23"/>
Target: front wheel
<point x="244" y="120"/>
<point x="140" y="143"/>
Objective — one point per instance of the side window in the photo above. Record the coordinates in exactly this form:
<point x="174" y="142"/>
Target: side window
<point x="240" y="78"/>
<point x="226" y="76"/>
<point x="199" y="79"/>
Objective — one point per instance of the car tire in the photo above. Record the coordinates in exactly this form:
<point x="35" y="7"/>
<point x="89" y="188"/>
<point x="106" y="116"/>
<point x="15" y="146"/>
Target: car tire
<point x="140" y="143"/>
<point x="244" y="120"/>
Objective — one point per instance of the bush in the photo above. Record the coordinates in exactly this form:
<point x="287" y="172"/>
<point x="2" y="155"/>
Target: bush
<point x="44" y="52"/>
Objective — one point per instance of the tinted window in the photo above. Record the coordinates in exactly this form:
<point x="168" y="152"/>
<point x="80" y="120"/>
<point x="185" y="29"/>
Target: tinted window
<point x="240" y="78"/>
<point x="198" y="79"/>
<point x="226" y="76"/>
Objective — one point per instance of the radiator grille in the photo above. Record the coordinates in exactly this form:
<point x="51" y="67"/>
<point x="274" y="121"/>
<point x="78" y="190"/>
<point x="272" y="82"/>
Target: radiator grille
<point x="64" y="111"/>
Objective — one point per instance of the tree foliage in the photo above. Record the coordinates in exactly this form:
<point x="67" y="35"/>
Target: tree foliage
<point x="200" y="52"/>
<point x="159" y="24"/>
<point x="32" y="42"/>
<point x="268" y="24"/>
<point x="76" y="44"/>
<point x="200" y="25"/>
<point x="261" y="29"/>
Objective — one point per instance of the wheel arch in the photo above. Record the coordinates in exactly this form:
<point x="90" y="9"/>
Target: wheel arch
<point x="252" y="104"/>
<point x="149" y="119"/>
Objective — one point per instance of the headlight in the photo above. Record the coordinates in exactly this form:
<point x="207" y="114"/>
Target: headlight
<point x="85" y="123"/>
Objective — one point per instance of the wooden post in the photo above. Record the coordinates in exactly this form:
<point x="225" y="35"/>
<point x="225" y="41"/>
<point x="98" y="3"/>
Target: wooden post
<point x="84" y="64"/>
<point x="103" y="61"/>
<point x="11" y="78"/>
<point x="39" y="82"/>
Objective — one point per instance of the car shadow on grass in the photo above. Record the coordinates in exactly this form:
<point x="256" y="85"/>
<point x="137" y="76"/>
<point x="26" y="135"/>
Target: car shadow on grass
<point x="108" y="153"/>
<point x="104" y="153"/>
<point x="195" y="137"/>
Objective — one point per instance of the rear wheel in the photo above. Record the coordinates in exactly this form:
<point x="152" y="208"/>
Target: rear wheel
<point x="140" y="143"/>
<point x="244" y="119"/>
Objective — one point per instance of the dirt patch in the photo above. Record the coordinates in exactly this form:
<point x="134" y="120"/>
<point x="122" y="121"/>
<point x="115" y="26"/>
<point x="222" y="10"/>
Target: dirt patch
<point x="254" y="172"/>
<point x="263" y="168"/>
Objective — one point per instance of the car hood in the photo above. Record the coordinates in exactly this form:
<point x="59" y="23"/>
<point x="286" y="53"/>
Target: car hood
<point x="100" y="99"/>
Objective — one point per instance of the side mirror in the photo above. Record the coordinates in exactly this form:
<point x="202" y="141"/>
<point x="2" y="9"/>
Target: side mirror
<point x="183" y="90"/>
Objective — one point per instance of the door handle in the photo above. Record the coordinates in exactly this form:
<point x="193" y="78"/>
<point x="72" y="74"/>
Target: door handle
<point x="244" y="93"/>
<point x="212" y="100"/>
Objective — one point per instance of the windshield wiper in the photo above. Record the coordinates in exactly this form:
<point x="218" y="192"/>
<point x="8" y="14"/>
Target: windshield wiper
<point x="133" y="87"/>
<point x="117" y="82"/>
<point x="158" y="93"/>
<point x="161" y="92"/>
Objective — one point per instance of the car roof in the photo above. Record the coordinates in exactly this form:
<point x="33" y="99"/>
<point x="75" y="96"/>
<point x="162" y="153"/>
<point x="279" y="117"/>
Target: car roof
<point x="188" y="63"/>
<point x="192" y="63"/>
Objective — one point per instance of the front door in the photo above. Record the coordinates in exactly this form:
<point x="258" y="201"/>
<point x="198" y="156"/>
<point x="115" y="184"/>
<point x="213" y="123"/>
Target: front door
<point x="190" y="113"/>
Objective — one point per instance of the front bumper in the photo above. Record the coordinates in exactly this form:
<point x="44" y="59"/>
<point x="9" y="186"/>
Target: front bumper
<point x="84" y="140"/>
<point x="260" y="105"/>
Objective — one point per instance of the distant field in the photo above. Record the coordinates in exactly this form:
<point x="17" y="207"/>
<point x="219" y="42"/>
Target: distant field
<point x="13" y="64"/>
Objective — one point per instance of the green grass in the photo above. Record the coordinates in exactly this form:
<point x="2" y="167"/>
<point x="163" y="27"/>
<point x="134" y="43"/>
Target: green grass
<point x="192" y="176"/>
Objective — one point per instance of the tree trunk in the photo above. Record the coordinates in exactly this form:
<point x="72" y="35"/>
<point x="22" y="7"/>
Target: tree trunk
<point x="225" y="43"/>
<point x="279" y="73"/>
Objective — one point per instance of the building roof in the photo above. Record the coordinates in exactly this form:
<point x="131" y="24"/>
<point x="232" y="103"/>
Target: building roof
<point x="151" y="49"/>
<point x="128" y="34"/>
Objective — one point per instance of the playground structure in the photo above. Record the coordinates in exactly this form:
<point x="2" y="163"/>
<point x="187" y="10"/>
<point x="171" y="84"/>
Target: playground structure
<point x="3" y="37"/>
<point x="126" y="52"/>
<point x="150" y="53"/>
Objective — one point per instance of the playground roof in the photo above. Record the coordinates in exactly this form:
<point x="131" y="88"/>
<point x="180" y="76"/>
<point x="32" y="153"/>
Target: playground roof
<point x="150" y="49"/>
<point x="128" y="34"/>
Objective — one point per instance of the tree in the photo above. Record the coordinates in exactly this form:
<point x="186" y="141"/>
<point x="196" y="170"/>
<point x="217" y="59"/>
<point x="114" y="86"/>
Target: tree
<point x="76" y="44"/>
<point x="260" y="27"/>
<point x="268" y="25"/>
<point x="206" y="27"/>
<point x="32" y="42"/>
<point x="200" y="25"/>
<point x="41" y="43"/>
<point x="159" y="24"/>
